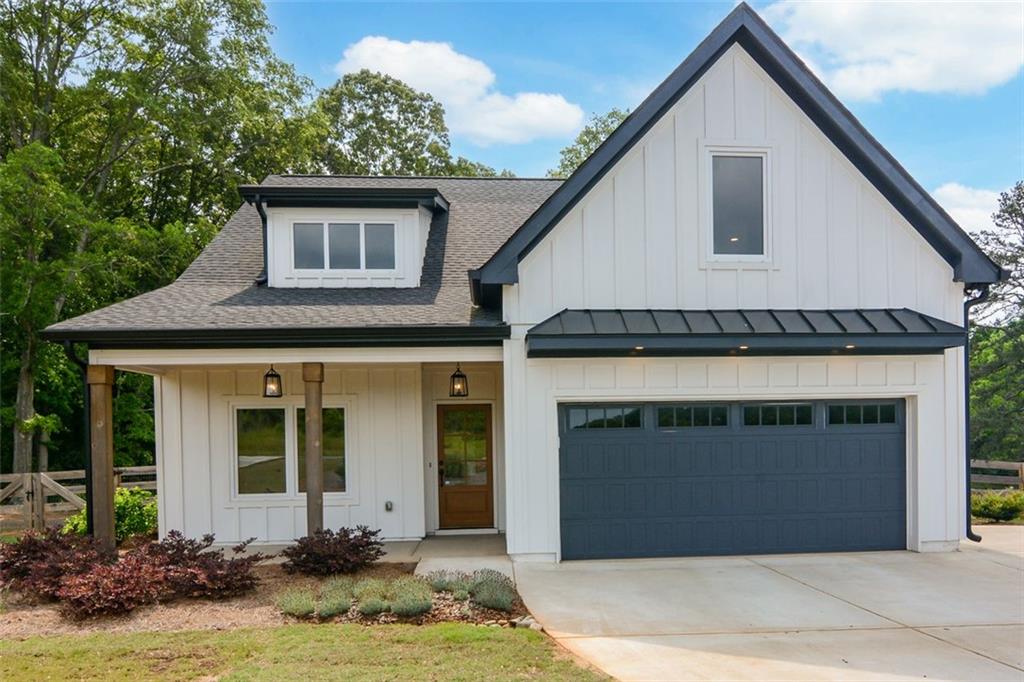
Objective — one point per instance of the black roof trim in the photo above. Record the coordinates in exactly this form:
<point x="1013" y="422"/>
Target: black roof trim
<point x="643" y="333"/>
<point x="301" y="337"/>
<point x="743" y="25"/>
<point x="361" y="197"/>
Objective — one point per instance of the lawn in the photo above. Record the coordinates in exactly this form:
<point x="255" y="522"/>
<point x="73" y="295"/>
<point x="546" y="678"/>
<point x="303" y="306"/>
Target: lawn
<point x="448" y="651"/>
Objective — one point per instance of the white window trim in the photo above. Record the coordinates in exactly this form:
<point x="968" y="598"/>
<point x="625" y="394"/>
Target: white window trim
<point x="709" y="259"/>
<point x="290" y="405"/>
<point x="362" y="270"/>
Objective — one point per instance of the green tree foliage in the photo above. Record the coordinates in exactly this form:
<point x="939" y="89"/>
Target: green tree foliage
<point x="997" y="392"/>
<point x="1005" y="244"/>
<point x="590" y="138"/>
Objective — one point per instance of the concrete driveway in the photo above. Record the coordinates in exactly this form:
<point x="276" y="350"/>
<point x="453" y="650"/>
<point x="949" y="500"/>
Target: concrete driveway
<point x="858" y="616"/>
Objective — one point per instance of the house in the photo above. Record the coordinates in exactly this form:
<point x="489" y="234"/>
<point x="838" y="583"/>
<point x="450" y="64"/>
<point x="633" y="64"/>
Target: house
<point x="737" y="328"/>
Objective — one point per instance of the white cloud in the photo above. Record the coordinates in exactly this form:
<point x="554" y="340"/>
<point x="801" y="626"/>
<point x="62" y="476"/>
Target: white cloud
<point x="971" y="208"/>
<point x="862" y="49"/>
<point x="466" y="87"/>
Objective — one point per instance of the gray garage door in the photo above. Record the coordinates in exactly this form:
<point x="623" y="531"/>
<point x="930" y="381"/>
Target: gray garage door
<point x="691" y="479"/>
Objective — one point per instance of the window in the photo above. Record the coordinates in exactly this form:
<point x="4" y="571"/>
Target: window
<point x="347" y="246"/>
<point x="862" y="413"/>
<point x="738" y="204"/>
<point x="261" y="451"/>
<point x="801" y="414"/>
<point x="271" y="450"/>
<point x="334" y="448"/>
<point x="611" y="417"/>
<point x="685" y="416"/>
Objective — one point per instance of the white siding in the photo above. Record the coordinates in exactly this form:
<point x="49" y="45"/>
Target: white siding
<point x="835" y="241"/>
<point x="384" y="450"/>
<point x="930" y="384"/>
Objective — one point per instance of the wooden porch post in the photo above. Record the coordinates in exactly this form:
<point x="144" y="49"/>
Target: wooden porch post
<point x="313" y="377"/>
<point x="101" y="445"/>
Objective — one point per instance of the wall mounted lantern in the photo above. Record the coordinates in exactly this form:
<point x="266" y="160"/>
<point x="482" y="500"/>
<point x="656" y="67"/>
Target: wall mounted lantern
<point x="272" y="386"/>
<point x="459" y="387"/>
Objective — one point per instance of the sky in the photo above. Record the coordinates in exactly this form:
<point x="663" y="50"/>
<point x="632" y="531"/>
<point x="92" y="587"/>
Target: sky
<point x="940" y="85"/>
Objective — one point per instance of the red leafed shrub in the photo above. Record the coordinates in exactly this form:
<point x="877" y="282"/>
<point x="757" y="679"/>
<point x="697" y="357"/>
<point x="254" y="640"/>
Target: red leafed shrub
<point x="191" y="569"/>
<point x="327" y="552"/>
<point x="113" y="589"/>
<point x="38" y="563"/>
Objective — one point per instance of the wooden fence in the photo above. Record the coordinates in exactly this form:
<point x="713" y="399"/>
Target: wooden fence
<point x="1007" y="474"/>
<point x="40" y="498"/>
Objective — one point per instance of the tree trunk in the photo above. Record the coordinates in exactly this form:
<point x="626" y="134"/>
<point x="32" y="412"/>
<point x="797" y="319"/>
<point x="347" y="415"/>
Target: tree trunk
<point x="24" y="410"/>
<point x="43" y="456"/>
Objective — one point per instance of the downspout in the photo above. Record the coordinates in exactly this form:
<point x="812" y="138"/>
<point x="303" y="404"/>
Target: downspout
<point x="982" y="296"/>
<point x="263" y="276"/>
<point x="83" y="366"/>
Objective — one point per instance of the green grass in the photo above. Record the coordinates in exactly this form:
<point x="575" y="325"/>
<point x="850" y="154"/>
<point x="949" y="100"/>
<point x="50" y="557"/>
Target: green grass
<point x="448" y="651"/>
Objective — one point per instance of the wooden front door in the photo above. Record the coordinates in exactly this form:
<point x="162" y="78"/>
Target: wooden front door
<point x="464" y="466"/>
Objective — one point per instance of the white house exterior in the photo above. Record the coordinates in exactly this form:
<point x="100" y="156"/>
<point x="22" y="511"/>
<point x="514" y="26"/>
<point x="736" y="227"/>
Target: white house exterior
<point x="645" y="378"/>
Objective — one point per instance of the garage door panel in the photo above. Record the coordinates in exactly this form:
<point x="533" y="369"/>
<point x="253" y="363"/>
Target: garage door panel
<point x="732" y="490"/>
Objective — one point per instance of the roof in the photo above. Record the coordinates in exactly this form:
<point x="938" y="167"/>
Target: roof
<point x="216" y="297"/>
<point x="585" y="333"/>
<point x="744" y="26"/>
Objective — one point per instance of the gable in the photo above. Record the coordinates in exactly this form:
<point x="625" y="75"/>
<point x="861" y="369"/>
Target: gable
<point x="638" y="239"/>
<point x="744" y="28"/>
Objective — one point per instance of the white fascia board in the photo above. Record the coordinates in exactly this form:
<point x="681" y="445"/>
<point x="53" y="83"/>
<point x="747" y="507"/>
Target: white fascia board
<point x="129" y="358"/>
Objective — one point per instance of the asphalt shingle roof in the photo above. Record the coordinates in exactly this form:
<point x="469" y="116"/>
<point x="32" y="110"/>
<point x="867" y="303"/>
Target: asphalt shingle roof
<point x="217" y="290"/>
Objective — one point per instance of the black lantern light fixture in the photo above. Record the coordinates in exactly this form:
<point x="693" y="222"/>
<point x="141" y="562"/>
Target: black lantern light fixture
<point x="272" y="386"/>
<point x="459" y="387"/>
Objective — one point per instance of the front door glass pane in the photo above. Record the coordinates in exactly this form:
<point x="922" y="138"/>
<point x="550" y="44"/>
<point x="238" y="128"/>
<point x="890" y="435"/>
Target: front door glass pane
<point x="261" y="451"/>
<point x="465" y="447"/>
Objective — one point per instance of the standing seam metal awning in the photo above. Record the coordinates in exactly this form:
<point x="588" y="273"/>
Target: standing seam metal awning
<point x="611" y="333"/>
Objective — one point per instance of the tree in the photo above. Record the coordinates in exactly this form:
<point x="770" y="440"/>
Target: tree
<point x="373" y="124"/>
<point x="997" y="392"/>
<point x="126" y="127"/>
<point x="590" y="138"/>
<point x="1005" y="244"/>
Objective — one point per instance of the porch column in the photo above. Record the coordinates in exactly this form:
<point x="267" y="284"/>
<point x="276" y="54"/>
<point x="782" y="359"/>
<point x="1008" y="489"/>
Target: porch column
<point x="101" y="445"/>
<point x="313" y="377"/>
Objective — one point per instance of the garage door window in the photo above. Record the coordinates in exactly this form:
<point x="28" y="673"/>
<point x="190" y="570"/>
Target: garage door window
<point x="801" y="414"/>
<point x="687" y="416"/>
<point x="861" y="413"/>
<point x="610" y="417"/>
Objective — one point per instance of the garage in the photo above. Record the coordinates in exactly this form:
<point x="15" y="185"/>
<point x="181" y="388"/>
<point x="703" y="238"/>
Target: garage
<point x="716" y="478"/>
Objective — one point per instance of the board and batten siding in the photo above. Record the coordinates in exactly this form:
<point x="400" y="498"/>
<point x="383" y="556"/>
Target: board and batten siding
<point x="637" y="239"/>
<point x="195" y="452"/>
<point x="534" y="388"/>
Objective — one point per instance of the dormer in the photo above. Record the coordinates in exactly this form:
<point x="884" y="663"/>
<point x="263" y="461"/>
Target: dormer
<point x="344" y="237"/>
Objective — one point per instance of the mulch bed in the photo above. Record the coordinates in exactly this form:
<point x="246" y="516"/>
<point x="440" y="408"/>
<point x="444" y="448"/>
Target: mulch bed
<point x="20" y="619"/>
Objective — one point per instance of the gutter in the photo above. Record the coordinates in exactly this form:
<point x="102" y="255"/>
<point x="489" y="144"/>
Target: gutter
<point x="983" y="292"/>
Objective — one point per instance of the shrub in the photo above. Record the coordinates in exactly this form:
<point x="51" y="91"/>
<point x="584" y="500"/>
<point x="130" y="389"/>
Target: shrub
<point x="368" y="588"/>
<point x="191" y="569"/>
<point x="372" y="607"/>
<point x="460" y="595"/>
<point x="335" y="597"/>
<point x="492" y="589"/>
<point x="327" y="552"/>
<point x="134" y="514"/>
<point x="112" y="589"/>
<point x="38" y="563"/>
<point x="449" y="581"/>
<point x="410" y="597"/>
<point x="998" y="506"/>
<point x="297" y="603"/>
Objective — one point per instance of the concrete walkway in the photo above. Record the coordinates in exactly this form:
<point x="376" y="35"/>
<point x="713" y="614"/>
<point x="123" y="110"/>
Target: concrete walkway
<point x="858" y="616"/>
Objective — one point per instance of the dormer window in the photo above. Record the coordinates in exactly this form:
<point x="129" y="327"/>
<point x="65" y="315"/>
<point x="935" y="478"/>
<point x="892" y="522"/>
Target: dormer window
<point x="343" y="246"/>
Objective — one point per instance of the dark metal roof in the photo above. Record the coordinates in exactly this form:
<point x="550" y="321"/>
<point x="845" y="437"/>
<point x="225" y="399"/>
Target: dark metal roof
<point x="744" y="26"/>
<point x="362" y="197"/>
<point x="215" y="297"/>
<point x="593" y="333"/>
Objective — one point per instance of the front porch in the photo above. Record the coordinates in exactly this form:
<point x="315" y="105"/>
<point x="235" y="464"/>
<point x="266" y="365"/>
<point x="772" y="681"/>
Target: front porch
<point x="232" y="462"/>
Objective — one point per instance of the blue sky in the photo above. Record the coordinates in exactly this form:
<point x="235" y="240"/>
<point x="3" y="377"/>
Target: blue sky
<point x="939" y="85"/>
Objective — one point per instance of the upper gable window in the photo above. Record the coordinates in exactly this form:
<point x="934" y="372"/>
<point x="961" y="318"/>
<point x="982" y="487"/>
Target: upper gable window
<point x="343" y="246"/>
<point x="739" y="225"/>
